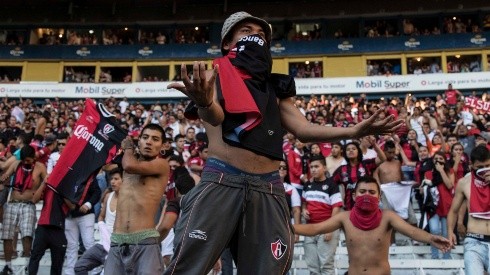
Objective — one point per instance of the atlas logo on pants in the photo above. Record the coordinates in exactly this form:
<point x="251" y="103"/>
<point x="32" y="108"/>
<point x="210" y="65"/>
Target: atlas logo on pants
<point x="278" y="249"/>
<point x="198" y="234"/>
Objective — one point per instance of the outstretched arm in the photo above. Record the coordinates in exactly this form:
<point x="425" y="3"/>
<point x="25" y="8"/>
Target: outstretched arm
<point x="295" y="122"/>
<point x="330" y="225"/>
<point x="416" y="233"/>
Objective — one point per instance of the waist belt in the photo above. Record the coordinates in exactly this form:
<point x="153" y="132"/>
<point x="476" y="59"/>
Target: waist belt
<point x="480" y="237"/>
<point x="244" y="181"/>
<point x="16" y="201"/>
<point x="141" y="238"/>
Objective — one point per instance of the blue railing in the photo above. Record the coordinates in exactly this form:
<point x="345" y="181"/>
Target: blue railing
<point x="397" y="44"/>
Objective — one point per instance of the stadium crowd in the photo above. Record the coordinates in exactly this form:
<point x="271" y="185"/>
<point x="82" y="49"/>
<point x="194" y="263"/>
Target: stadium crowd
<point x="372" y="28"/>
<point x="429" y="153"/>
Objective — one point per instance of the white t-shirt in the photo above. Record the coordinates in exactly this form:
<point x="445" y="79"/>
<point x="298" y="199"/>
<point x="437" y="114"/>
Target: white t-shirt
<point x="123" y="105"/>
<point x="295" y="198"/>
<point x="370" y="154"/>
<point x="52" y="160"/>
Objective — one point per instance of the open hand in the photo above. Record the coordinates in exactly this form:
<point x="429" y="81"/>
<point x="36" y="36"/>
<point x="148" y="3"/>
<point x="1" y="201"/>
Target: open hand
<point x="372" y="125"/>
<point x="200" y="90"/>
<point x="396" y="138"/>
<point x="441" y="243"/>
<point x="439" y="166"/>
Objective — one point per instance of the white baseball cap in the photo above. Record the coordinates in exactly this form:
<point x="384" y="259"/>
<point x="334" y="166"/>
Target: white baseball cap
<point x="236" y="18"/>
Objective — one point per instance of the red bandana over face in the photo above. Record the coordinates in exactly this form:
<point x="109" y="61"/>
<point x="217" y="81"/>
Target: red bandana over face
<point x="366" y="214"/>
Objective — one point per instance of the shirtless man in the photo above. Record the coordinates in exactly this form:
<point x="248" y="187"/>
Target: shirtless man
<point x="135" y="246"/>
<point x="335" y="159"/>
<point x="396" y="196"/>
<point x="390" y="169"/>
<point x="19" y="210"/>
<point x="241" y="193"/>
<point x="475" y="189"/>
<point x="368" y="230"/>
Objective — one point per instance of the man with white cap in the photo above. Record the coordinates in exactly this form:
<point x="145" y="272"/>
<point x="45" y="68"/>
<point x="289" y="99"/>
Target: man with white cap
<point x="240" y="201"/>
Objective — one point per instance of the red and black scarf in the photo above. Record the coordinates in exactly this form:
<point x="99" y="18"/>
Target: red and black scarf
<point x="23" y="177"/>
<point x="248" y="92"/>
<point x="242" y="76"/>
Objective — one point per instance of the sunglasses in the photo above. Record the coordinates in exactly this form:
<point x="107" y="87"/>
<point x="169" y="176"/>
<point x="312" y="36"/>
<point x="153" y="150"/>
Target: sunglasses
<point x="61" y="143"/>
<point x="283" y="167"/>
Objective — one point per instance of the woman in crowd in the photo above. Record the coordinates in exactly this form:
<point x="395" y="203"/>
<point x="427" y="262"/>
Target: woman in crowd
<point x="298" y="166"/>
<point x="315" y="150"/>
<point x="414" y="122"/>
<point x="442" y="178"/>
<point x="437" y="143"/>
<point x="347" y="175"/>
<point x="459" y="162"/>
<point x="410" y="147"/>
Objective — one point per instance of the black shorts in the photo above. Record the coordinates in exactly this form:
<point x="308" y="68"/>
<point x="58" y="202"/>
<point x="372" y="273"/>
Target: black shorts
<point x="242" y="212"/>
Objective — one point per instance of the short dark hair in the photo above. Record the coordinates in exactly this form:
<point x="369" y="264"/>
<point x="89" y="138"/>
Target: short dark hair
<point x="367" y="179"/>
<point x="338" y="144"/>
<point x="201" y="136"/>
<point x="62" y="136"/>
<point x="155" y="127"/>
<point x="184" y="183"/>
<point x="480" y="153"/>
<point x="27" y="152"/>
<point x="320" y="158"/>
<point x="202" y="147"/>
<point x="389" y="144"/>
<point x="117" y="170"/>
<point x="451" y="135"/>
<point x="177" y="158"/>
<point x="177" y="137"/>
<point x="37" y="137"/>
<point x="24" y="138"/>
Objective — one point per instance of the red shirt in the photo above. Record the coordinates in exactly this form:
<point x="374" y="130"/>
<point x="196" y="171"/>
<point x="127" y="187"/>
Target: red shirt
<point x="326" y="148"/>
<point x="451" y="97"/>
<point x="347" y="175"/>
<point x="287" y="147"/>
<point x="44" y="154"/>
<point x="321" y="197"/>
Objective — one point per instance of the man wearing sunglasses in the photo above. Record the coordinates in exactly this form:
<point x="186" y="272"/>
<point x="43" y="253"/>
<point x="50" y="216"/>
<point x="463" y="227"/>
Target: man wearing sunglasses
<point x="61" y="141"/>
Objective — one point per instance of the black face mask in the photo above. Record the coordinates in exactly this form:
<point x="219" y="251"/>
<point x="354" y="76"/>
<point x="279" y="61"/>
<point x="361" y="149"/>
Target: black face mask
<point x="27" y="166"/>
<point x="253" y="55"/>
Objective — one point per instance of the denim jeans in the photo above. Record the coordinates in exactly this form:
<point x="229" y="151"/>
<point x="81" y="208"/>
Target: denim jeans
<point x="476" y="256"/>
<point x="101" y="180"/>
<point x="438" y="226"/>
